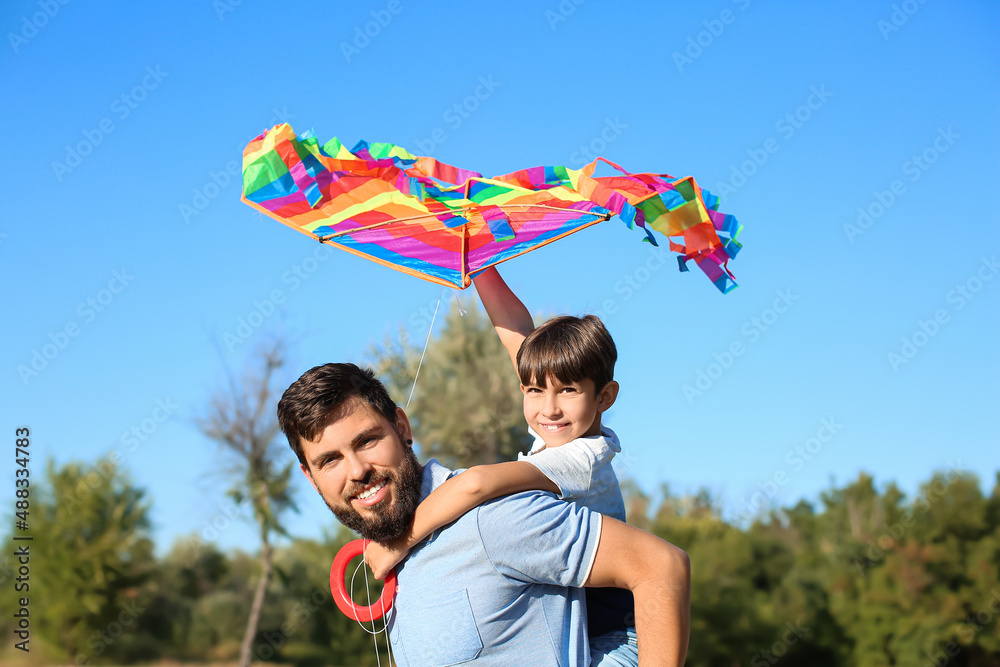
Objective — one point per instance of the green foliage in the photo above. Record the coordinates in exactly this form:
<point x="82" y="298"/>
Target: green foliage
<point x="466" y="409"/>
<point x="200" y="599"/>
<point x="873" y="579"/>
<point x="89" y="563"/>
<point x="307" y="623"/>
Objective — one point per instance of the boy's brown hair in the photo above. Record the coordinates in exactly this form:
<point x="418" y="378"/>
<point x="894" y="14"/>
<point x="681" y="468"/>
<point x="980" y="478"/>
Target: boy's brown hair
<point x="569" y="349"/>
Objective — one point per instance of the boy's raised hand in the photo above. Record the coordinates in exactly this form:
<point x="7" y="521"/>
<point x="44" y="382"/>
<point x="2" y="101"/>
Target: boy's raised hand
<point x="381" y="558"/>
<point x="510" y="318"/>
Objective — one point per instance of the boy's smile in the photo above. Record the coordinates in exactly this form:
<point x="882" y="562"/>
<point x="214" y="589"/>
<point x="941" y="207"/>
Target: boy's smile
<point x="560" y="412"/>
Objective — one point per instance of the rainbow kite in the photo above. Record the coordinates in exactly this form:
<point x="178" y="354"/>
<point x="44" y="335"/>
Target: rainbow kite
<point x="445" y="224"/>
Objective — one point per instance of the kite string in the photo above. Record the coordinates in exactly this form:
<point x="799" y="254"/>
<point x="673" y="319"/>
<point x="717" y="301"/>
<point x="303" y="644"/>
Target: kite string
<point x="427" y="341"/>
<point x="359" y="621"/>
<point x="385" y="616"/>
<point x="385" y="621"/>
<point x="385" y="629"/>
<point x="368" y="595"/>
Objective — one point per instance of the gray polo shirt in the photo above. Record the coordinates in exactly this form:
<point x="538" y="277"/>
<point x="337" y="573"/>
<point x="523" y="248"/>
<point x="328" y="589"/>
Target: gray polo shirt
<point x="500" y="586"/>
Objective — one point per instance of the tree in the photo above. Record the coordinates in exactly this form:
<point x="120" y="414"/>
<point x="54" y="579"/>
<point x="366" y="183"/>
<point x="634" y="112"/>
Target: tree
<point x="91" y="558"/>
<point x="309" y="630"/>
<point x="730" y="619"/>
<point x="466" y="408"/>
<point x="918" y="589"/>
<point x="191" y="572"/>
<point x="241" y="419"/>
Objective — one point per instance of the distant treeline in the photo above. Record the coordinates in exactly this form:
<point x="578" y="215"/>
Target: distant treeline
<point x="869" y="577"/>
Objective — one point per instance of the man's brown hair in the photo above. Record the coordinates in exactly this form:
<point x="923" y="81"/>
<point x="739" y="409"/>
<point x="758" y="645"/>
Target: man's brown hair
<point x="569" y="349"/>
<point x="313" y="401"/>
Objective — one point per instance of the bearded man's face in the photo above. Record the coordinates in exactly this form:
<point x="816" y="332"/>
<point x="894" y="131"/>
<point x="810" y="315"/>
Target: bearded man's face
<point x="367" y="476"/>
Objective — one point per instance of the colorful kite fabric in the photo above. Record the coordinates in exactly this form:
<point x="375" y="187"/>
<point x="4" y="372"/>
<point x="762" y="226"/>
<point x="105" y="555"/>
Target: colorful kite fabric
<point x="445" y="224"/>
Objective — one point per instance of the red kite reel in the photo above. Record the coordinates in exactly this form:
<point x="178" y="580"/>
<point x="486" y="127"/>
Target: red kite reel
<point x="338" y="573"/>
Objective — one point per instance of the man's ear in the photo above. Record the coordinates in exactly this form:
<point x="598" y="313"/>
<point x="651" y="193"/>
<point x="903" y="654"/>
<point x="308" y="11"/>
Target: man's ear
<point x="403" y="425"/>
<point x="607" y="396"/>
<point x="305" y="471"/>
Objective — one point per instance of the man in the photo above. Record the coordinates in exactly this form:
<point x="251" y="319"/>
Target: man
<point x="500" y="586"/>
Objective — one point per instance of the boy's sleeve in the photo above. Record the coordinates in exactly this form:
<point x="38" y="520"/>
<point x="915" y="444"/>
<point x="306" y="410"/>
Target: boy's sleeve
<point x="571" y="466"/>
<point x="536" y="538"/>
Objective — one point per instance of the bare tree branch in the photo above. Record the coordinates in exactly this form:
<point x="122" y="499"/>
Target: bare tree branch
<point x="241" y="418"/>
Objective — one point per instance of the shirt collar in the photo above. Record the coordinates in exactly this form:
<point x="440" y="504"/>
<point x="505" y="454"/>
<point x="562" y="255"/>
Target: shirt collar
<point x="434" y="476"/>
<point x="606" y="434"/>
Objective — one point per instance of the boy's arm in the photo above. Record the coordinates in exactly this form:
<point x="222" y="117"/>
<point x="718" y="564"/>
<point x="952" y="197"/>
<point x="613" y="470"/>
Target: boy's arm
<point x="510" y="318"/>
<point x="659" y="576"/>
<point x="451" y="500"/>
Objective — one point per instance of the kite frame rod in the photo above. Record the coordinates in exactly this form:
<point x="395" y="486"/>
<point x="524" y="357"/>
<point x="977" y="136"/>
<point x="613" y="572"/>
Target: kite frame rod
<point x="322" y="239"/>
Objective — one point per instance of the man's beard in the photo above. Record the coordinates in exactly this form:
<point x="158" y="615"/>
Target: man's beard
<point x="393" y="521"/>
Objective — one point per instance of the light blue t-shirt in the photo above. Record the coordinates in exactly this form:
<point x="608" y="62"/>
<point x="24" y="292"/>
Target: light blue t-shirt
<point x="500" y="586"/>
<point x="582" y="470"/>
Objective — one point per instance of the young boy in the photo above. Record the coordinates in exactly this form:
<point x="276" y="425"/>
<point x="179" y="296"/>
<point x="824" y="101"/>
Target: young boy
<point x="566" y="369"/>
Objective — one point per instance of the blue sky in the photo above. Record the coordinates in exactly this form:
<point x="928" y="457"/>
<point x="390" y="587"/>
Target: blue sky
<point x="855" y="142"/>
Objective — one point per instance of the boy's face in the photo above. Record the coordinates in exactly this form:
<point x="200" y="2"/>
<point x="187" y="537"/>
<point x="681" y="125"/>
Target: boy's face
<point x="561" y="412"/>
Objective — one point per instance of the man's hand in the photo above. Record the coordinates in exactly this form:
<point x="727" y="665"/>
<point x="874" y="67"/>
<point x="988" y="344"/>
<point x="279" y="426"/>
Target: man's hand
<point x="381" y="558"/>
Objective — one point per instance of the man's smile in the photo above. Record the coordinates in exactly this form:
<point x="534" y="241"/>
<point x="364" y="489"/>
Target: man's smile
<point x="372" y="494"/>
